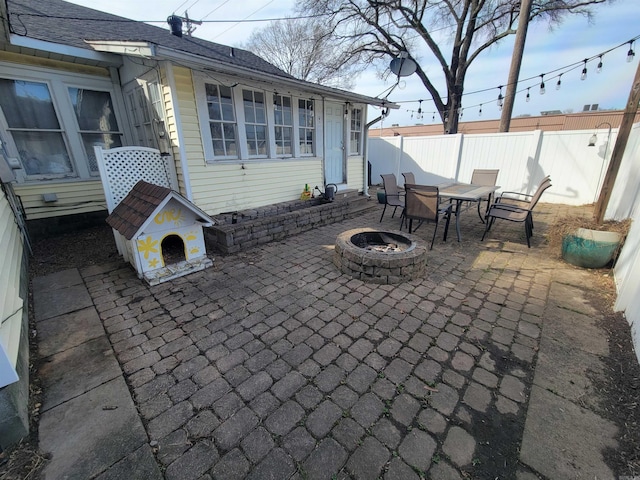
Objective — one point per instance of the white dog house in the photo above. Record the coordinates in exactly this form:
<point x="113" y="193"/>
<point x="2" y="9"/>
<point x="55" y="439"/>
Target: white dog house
<point x="161" y="232"/>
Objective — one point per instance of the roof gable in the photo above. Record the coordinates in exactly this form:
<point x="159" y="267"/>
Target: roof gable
<point x="141" y="205"/>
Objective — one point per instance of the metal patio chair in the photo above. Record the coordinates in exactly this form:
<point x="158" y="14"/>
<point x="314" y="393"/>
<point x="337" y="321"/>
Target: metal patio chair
<point x="484" y="178"/>
<point x="409" y="177"/>
<point x="394" y="197"/>
<point x="422" y="202"/>
<point x="516" y="212"/>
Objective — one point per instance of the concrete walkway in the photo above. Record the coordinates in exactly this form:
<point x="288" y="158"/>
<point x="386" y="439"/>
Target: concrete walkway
<point x="274" y="365"/>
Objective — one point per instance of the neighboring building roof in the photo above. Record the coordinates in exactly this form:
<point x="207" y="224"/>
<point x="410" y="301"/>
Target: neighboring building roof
<point x="63" y="23"/>
<point x="570" y="121"/>
<point x="141" y="203"/>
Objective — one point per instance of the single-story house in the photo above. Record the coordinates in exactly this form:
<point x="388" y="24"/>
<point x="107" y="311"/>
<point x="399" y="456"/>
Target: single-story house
<point x="241" y="132"/>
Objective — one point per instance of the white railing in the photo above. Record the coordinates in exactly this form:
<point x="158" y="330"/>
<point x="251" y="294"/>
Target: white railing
<point x="524" y="158"/>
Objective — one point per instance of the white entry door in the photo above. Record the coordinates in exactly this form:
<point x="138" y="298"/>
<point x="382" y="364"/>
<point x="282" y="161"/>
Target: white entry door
<point x="334" y="152"/>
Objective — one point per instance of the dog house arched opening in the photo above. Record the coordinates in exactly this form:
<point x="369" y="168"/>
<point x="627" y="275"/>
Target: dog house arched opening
<point x="173" y="249"/>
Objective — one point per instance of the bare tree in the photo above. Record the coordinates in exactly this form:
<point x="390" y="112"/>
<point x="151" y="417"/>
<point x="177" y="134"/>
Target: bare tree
<point x="306" y="49"/>
<point x="382" y="29"/>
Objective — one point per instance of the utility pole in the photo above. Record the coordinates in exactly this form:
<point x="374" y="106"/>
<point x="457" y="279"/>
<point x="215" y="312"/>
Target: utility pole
<point x="516" y="61"/>
<point x="618" y="149"/>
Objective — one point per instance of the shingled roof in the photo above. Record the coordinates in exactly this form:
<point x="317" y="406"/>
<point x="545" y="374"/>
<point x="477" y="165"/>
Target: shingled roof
<point x="65" y="23"/>
<point x="140" y="203"/>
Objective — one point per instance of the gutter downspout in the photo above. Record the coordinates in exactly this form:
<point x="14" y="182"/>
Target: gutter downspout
<point x="179" y="132"/>
<point x="365" y="190"/>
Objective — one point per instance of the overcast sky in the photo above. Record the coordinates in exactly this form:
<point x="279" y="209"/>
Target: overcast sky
<point x="545" y="51"/>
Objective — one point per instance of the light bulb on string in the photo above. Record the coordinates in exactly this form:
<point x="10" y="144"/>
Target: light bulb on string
<point x="500" y="98"/>
<point x="630" y="53"/>
<point x="559" y="84"/>
<point x="583" y="76"/>
<point x="419" y="116"/>
<point x="528" y="97"/>
<point x="480" y="111"/>
<point x="542" y="88"/>
<point x="460" y="110"/>
<point x="433" y="118"/>
<point x="599" y="67"/>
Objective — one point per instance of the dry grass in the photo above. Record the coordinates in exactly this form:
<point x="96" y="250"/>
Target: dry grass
<point x="568" y="224"/>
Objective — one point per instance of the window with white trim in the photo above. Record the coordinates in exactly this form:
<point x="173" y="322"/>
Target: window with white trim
<point x="306" y="131"/>
<point x="35" y="128"/>
<point x="283" y="124"/>
<point x="96" y="121"/>
<point x="355" y="130"/>
<point x="51" y="122"/>
<point x="222" y="121"/>
<point x="255" y="117"/>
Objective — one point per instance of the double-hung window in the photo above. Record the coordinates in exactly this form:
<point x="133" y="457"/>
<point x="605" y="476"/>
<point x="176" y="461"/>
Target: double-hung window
<point x="52" y="125"/>
<point x="33" y="124"/>
<point x="283" y="124"/>
<point x="96" y="122"/>
<point x="222" y="121"/>
<point x="355" y="130"/>
<point x="306" y="130"/>
<point x="255" y="117"/>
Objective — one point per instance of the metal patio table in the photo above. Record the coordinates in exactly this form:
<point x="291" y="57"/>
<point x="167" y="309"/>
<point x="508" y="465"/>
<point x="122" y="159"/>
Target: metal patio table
<point x="465" y="192"/>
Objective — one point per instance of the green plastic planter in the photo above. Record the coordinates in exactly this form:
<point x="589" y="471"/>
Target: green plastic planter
<point x="382" y="198"/>
<point x="590" y="248"/>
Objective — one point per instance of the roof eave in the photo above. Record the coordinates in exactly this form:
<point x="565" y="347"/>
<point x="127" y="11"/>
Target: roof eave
<point x="203" y="62"/>
<point x="108" y="59"/>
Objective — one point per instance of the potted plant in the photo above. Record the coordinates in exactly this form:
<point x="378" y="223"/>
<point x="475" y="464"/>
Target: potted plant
<point x="586" y="243"/>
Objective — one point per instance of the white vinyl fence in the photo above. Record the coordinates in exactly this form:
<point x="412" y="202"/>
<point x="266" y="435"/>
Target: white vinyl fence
<point x="524" y="159"/>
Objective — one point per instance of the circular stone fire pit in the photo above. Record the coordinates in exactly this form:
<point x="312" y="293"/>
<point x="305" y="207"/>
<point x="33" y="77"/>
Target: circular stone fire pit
<point x="380" y="257"/>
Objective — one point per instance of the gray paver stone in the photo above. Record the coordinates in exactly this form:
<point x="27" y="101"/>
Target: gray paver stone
<point x="206" y="396"/>
<point x="459" y="446"/>
<point x="398" y="470"/>
<point x="462" y="361"/>
<point x="257" y="444"/>
<point x="417" y="449"/>
<point x="387" y="433"/>
<point x="513" y="388"/>
<point x="192" y="464"/>
<point x="348" y="433"/>
<point x="404" y="408"/>
<point x="277" y="464"/>
<point x="444" y="471"/>
<point x="432" y="421"/>
<point x="361" y="378"/>
<point x="367" y="461"/>
<point x="232" y="430"/>
<point x="324" y="416"/>
<point x="202" y="424"/>
<point x="287" y="386"/>
<point x="232" y="466"/>
<point x="326" y="460"/>
<point x="227" y="405"/>
<point x="172" y="446"/>
<point x="444" y="399"/>
<point x="264" y="404"/>
<point x="299" y="443"/>
<point x="284" y="419"/>
<point x="168" y="421"/>
<point x="254" y="386"/>
<point x="329" y="378"/>
<point x="344" y="397"/>
<point x="398" y="370"/>
<point x="477" y="397"/>
<point x="309" y="396"/>
<point x="367" y="410"/>
<point x="428" y="370"/>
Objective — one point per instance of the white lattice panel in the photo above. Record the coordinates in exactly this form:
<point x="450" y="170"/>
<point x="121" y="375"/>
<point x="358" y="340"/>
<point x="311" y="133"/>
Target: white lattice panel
<point x="121" y="168"/>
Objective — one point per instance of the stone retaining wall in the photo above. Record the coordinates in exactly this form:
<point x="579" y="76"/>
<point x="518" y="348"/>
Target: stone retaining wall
<point x="275" y="222"/>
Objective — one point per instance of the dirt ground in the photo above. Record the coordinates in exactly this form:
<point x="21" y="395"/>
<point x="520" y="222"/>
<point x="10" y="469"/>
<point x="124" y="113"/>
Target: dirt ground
<point x="95" y="246"/>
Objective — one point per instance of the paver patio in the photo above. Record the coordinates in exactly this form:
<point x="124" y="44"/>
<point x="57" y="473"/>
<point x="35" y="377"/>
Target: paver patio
<point x="273" y="364"/>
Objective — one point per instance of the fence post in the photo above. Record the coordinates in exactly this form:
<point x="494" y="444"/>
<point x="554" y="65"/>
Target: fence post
<point x="458" y="153"/>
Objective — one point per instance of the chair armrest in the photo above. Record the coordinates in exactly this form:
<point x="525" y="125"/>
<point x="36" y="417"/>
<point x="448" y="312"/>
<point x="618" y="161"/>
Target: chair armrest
<point x="507" y="207"/>
<point x="513" y="197"/>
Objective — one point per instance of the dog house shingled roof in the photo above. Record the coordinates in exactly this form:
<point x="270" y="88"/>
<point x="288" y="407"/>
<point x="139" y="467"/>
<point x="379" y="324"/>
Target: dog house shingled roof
<point x="139" y="204"/>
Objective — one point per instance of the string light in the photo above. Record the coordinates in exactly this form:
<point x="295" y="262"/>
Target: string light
<point x="584" y="71"/>
<point x="460" y="112"/>
<point x="559" y="84"/>
<point x="419" y="115"/>
<point x="500" y="98"/>
<point x="528" y="97"/>
<point x="480" y="111"/>
<point x="599" y="67"/>
<point x="630" y="53"/>
<point x="542" y="89"/>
